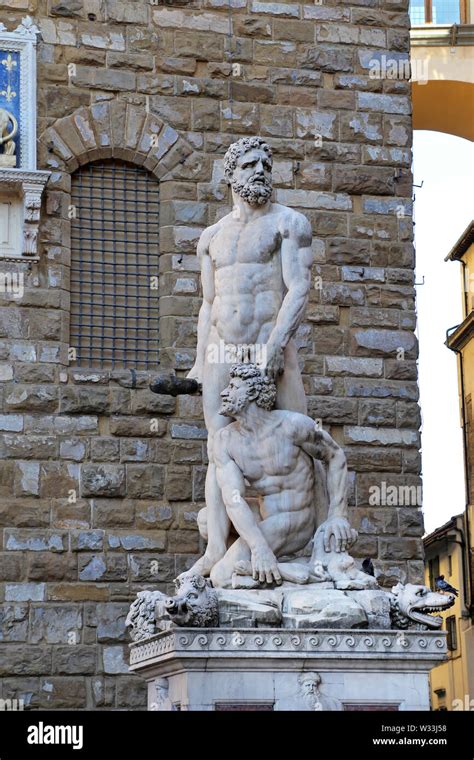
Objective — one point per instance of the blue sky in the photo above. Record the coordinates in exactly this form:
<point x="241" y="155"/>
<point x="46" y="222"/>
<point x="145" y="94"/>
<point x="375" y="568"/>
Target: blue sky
<point x="443" y="209"/>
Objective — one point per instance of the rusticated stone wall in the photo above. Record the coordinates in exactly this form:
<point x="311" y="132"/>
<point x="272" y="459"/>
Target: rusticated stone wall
<point x="101" y="480"/>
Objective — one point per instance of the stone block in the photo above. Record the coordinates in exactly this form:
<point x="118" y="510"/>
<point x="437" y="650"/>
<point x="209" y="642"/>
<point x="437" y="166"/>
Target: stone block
<point x="341" y="294"/>
<point x="56" y="624"/>
<point x="126" y="13"/>
<point x="102" y="480"/>
<point x="386" y="104"/>
<point x="150" y="568"/>
<point x="46" y="566"/>
<point x="401" y="548"/>
<point x="87" y="540"/>
<point x="361" y="127"/>
<point x="59" y="479"/>
<point x="57" y="693"/>
<point x="13" y="622"/>
<point x="389" y="343"/>
<point x="276" y="121"/>
<point x="358" y="180"/>
<point x="316" y="123"/>
<point x="131" y="692"/>
<point x="182" y="430"/>
<point x="199" y="45"/>
<point x="410" y="522"/>
<point x="326" y="58"/>
<point x="137" y="427"/>
<point x="98" y="567"/>
<point x="26" y="478"/>
<point x="243" y="117"/>
<point x="73" y="448"/>
<point x="31" y="398"/>
<point x="183" y="542"/>
<point x="11" y="422"/>
<point x="358" y="367"/>
<point x="22" y="660"/>
<point x="77" y="400"/>
<point x="366" y="388"/>
<point x="377" y="413"/>
<point x="34" y="540"/>
<point x="152" y="515"/>
<point x="111" y="622"/>
<point x="74" y="660"/>
<point x="114" y="660"/>
<point x="25" y="592"/>
<point x="380" y="437"/>
<point x="178" y="484"/>
<point x="333" y="411"/>
<point x="150" y="540"/>
<point x="112" y="512"/>
<point x="145" y="481"/>
<point x="144" y="402"/>
<point x="376" y="521"/>
<point x="10" y="566"/>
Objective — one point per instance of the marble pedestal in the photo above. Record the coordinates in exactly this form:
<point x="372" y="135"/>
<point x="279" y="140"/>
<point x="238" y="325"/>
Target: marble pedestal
<point x="271" y="668"/>
<point x="7" y="161"/>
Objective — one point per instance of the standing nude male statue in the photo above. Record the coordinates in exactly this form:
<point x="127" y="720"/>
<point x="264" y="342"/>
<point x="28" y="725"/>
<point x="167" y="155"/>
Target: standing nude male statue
<point x="256" y="276"/>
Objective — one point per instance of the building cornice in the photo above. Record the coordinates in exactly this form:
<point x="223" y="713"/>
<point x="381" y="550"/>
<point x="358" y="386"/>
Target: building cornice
<point x="461" y="246"/>
<point x="462" y="334"/>
<point x="444" y="531"/>
<point x="447" y="35"/>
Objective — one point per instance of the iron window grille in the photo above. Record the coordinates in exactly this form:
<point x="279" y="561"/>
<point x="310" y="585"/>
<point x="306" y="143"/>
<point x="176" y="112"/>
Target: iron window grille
<point x="114" y="265"/>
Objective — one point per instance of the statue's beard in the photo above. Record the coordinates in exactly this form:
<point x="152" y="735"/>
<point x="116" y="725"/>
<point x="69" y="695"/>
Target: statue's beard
<point x="255" y="193"/>
<point x="230" y="408"/>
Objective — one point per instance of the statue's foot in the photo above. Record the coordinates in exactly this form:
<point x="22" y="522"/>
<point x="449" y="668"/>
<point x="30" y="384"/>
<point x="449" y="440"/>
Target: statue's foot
<point x="244" y="581"/>
<point x="293" y="572"/>
<point x="243" y="567"/>
<point x="205" y="564"/>
<point x="346" y="576"/>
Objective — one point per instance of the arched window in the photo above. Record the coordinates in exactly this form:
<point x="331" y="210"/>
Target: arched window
<point x="114" y="265"/>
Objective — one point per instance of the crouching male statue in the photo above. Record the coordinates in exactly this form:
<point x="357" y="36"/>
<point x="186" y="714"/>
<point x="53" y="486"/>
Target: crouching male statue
<point x="273" y="451"/>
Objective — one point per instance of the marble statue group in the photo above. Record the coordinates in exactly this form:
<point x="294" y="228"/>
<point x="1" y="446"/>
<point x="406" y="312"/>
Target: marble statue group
<point x="276" y="519"/>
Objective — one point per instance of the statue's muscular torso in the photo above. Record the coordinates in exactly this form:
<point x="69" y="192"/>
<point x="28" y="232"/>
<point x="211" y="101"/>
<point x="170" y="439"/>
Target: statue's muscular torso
<point x="273" y="463"/>
<point x="248" y="281"/>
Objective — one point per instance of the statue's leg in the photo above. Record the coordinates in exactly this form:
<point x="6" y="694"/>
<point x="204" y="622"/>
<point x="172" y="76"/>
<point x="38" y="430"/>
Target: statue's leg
<point x="202" y="522"/>
<point x="285" y="533"/>
<point x="290" y="389"/>
<point x="215" y="379"/>
<point x="289" y="532"/>
<point x="291" y="396"/>
<point x="222" y="572"/>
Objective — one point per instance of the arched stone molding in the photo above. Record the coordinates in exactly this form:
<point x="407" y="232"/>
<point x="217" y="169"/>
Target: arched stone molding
<point x="112" y="129"/>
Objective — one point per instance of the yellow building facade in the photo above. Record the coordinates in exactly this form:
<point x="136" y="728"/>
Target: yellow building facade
<point x="452" y="682"/>
<point x="442" y="63"/>
<point x="449" y="549"/>
<point x="442" y="68"/>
